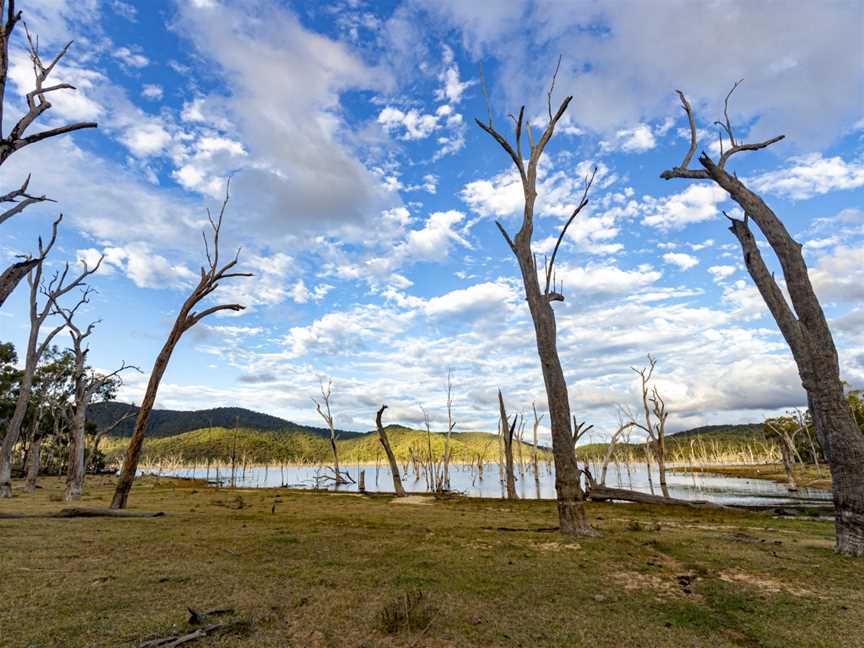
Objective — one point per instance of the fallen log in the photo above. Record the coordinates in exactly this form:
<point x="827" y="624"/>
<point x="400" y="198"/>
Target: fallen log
<point x="605" y="494"/>
<point x="178" y="640"/>
<point x="83" y="513"/>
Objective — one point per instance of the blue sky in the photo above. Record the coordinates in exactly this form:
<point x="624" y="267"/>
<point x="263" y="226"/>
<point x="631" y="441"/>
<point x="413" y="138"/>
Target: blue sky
<point x="364" y="196"/>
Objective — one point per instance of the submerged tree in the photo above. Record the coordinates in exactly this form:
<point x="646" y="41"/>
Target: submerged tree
<point x="506" y="431"/>
<point x="17" y="138"/>
<point x="654" y="419"/>
<point x="571" y="509"/>
<point x="327" y="415"/>
<point x="802" y="323"/>
<point x="211" y="276"/>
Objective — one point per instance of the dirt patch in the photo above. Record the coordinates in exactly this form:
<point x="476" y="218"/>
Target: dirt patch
<point x="664" y="586"/>
<point x="421" y="500"/>
<point x="557" y="546"/>
<point x="763" y="583"/>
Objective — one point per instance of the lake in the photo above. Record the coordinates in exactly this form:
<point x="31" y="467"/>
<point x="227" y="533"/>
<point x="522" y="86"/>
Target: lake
<point x="466" y="479"/>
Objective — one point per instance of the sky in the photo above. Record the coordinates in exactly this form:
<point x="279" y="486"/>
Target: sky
<point x="364" y="197"/>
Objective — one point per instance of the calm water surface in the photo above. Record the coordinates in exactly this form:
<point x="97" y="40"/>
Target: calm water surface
<point x="466" y="479"/>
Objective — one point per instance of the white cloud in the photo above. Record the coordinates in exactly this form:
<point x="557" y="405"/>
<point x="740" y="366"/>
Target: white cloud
<point x="130" y="58"/>
<point x="146" y="139"/>
<point x="415" y="125"/>
<point x="152" y="91"/>
<point x="631" y="140"/>
<point x="839" y="275"/>
<point x="621" y="72"/>
<point x="811" y="175"/>
<point x="720" y="272"/>
<point x="697" y="203"/>
<point x="680" y="259"/>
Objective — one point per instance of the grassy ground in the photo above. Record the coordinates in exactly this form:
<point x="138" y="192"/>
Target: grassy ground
<point x="321" y="570"/>
<point x="806" y="476"/>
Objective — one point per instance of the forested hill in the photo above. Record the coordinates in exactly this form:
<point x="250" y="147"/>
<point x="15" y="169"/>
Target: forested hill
<point x="165" y="423"/>
<point x="743" y="431"/>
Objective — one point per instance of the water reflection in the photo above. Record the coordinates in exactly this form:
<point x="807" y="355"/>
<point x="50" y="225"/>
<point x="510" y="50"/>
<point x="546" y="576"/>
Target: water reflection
<point x="468" y="480"/>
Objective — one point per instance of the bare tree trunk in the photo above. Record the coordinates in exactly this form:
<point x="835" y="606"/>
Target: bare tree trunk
<point x="507" y="430"/>
<point x="391" y="458"/>
<point x="804" y="328"/>
<point x="76" y="468"/>
<point x="34" y="457"/>
<point x="186" y="319"/>
<point x="571" y="509"/>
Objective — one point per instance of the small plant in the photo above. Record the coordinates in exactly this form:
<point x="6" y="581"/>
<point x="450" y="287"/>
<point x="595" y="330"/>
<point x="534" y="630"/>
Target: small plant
<point x="410" y="611"/>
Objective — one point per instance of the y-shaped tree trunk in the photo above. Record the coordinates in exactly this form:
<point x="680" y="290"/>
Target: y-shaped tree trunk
<point x="507" y="430"/>
<point x="391" y="458"/>
<point x="571" y="509"/>
<point x="804" y="327"/>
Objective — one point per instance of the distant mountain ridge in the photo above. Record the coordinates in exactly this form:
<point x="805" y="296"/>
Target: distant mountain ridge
<point x="166" y="423"/>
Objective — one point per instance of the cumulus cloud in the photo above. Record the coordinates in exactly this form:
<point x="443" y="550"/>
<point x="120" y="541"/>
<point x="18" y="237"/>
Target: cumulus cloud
<point x="681" y="260"/>
<point x="638" y="139"/>
<point x="697" y="203"/>
<point x="811" y="175"/>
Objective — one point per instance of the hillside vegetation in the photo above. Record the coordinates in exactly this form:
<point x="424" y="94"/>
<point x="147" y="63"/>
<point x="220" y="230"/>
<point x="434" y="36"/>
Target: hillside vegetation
<point x="219" y="445"/>
<point x="166" y="423"/>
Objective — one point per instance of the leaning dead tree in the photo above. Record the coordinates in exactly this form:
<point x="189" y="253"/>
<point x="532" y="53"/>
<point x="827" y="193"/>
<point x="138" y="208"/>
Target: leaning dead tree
<point x="212" y="275"/>
<point x="391" y="458"/>
<point x="18" y="137"/>
<point x="58" y="286"/>
<point x="506" y="431"/>
<point x="85" y="384"/>
<point x="802" y="323"/>
<point x="328" y="419"/>
<point x="571" y="510"/>
<point x="654" y="419"/>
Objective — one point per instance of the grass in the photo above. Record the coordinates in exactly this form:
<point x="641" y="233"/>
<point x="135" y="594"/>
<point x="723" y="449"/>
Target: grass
<point x="806" y="475"/>
<point x="338" y="570"/>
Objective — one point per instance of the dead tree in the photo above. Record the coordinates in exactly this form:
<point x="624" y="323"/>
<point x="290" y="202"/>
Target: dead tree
<point x="85" y="384"/>
<point x="59" y="285"/>
<point x="17" y="138"/>
<point x="534" y="463"/>
<point x="655" y="415"/>
<point x="803" y="325"/>
<point x="624" y="424"/>
<point x="451" y="423"/>
<point x="391" y="458"/>
<point x="571" y="510"/>
<point x="328" y="419"/>
<point x="786" y="441"/>
<point x="211" y="276"/>
<point x="507" y="430"/>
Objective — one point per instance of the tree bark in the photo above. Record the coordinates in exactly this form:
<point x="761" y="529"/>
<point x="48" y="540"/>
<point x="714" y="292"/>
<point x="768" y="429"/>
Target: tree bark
<point x="12" y="276"/>
<point x="391" y="458"/>
<point x="76" y="469"/>
<point x="136" y="442"/>
<point x="34" y="458"/>
<point x="809" y="337"/>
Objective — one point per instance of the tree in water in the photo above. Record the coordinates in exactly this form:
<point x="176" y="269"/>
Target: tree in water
<point x="802" y="323"/>
<point x="215" y="272"/>
<point x="570" y="498"/>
